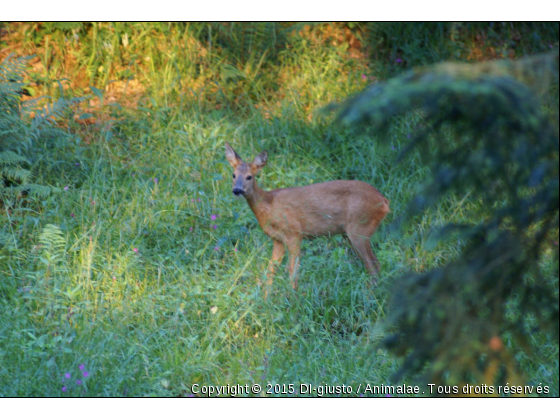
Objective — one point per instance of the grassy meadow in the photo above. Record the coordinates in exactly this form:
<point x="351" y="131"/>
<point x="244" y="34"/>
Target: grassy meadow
<point x="137" y="275"/>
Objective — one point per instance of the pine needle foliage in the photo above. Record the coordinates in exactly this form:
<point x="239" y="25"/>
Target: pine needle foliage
<point x="502" y="118"/>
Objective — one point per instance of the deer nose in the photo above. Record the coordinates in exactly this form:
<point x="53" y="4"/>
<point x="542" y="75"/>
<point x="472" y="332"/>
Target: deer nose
<point x="238" y="191"/>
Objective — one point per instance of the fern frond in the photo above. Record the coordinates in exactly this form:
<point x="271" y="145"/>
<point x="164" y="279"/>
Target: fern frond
<point x="13" y="68"/>
<point x="52" y="238"/>
<point x="15" y="174"/>
<point x="11" y="158"/>
<point x="19" y="135"/>
<point x="36" y="190"/>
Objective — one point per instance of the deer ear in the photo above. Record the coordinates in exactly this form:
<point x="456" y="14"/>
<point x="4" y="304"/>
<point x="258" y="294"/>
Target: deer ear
<point x="260" y="161"/>
<point x="232" y="157"/>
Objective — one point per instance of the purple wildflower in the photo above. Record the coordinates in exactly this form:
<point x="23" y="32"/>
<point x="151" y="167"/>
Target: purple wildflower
<point x="364" y="77"/>
<point x="77" y="163"/>
<point x="78" y="382"/>
<point x="191" y="229"/>
<point x="67" y="375"/>
<point x="156" y="180"/>
<point x="398" y="60"/>
<point x="82" y="367"/>
<point x="66" y="188"/>
<point x="216" y="248"/>
<point x="388" y="395"/>
<point x="72" y="215"/>
<point x="86" y="374"/>
<point x="214" y="226"/>
<point x="135" y="250"/>
<point x="213" y="217"/>
<point x="64" y="389"/>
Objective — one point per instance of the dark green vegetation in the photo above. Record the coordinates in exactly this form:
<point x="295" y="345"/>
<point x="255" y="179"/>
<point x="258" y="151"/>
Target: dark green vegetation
<point x="504" y="154"/>
<point x="111" y="257"/>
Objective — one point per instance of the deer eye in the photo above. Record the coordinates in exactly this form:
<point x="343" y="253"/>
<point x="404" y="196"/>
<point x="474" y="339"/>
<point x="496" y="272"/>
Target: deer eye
<point x="249" y="178"/>
<point x="233" y="176"/>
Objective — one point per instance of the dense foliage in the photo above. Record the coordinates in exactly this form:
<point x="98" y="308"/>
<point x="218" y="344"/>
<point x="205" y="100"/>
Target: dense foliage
<point x="504" y="155"/>
<point x="25" y="129"/>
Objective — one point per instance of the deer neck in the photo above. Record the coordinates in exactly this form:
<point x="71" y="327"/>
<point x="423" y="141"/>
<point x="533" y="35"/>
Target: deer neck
<point x="259" y="201"/>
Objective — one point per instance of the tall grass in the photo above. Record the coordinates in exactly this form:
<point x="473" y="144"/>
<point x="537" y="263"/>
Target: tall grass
<point x="125" y="271"/>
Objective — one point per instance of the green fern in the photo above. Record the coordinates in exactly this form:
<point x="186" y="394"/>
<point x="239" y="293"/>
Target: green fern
<point x="53" y="251"/>
<point x="52" y="239"/>
<point x="15" y="174"/>
<point x="11" y="158"/>
<point x="22" y="126"/>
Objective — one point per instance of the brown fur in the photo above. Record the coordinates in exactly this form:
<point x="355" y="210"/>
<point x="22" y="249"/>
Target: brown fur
<point x="351" y="208"/>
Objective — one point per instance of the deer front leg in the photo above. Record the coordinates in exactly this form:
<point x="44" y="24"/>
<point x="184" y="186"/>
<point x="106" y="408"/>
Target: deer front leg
<point x="293" y="264"/>
<point x="278" y="251"/>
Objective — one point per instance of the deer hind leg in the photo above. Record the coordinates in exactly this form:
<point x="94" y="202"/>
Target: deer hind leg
<point x="294" y="246"/>
<point x="278" y="251"/>
<point x="362" y="247"/>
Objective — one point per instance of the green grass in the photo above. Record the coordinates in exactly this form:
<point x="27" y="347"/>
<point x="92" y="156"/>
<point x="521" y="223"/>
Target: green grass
<point x="132" y="285"/>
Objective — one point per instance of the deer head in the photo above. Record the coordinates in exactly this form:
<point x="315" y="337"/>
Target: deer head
<point x="244" y="173"/>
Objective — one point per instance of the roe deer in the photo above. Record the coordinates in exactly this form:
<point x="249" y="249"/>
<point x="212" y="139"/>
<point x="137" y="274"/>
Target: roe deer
<point x="351" y="208"/>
